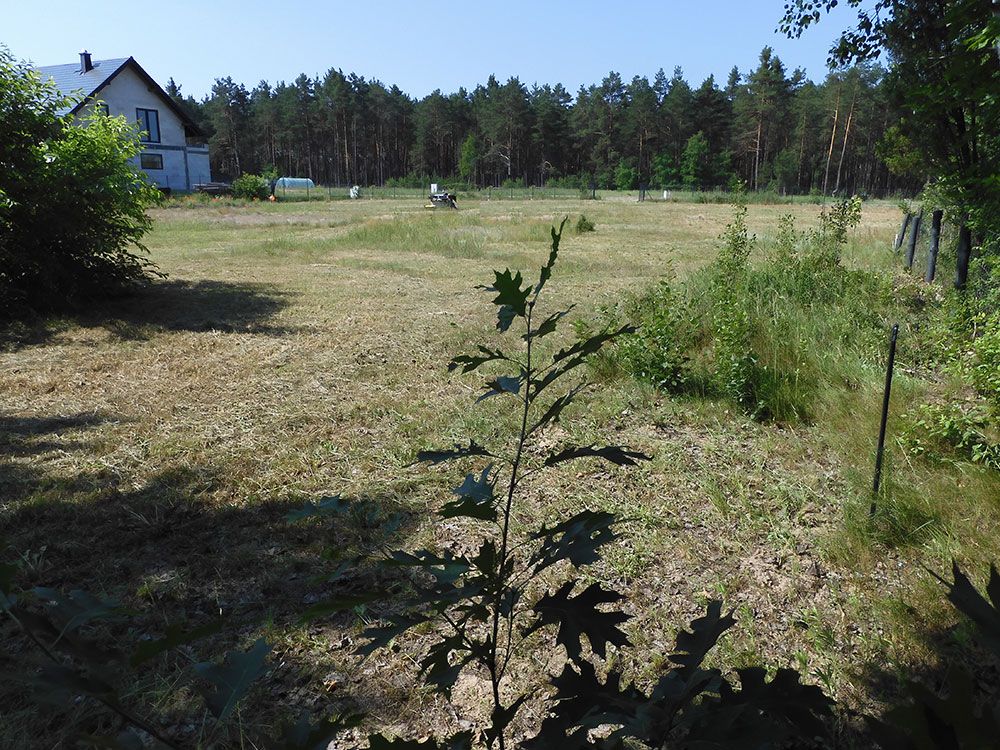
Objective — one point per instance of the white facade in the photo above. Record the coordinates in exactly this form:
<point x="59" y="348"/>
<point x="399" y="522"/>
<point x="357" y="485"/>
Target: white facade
<point x="168" y="160"/>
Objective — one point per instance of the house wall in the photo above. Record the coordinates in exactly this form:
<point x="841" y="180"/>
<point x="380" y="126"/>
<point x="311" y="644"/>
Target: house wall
<point x="183" y="166"/>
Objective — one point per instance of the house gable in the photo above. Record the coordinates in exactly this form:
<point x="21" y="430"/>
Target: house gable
<point x="174" y="155"/>
<point x="94" y="83"/>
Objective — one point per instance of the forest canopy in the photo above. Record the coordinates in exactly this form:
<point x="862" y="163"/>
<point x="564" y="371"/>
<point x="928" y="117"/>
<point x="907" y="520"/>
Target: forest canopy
<point x="770" y="128"/>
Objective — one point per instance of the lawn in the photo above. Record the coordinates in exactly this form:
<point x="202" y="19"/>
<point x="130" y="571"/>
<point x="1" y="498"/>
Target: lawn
<point x="150" y="452"/>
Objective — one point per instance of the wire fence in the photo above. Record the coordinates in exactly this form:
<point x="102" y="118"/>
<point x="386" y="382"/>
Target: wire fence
<point x="529" y="193"/>
<point x="384" y="192"/>
<point x="521" y="193"/>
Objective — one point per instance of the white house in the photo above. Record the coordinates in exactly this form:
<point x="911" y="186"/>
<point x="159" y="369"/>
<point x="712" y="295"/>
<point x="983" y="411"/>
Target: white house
<point x="174" y="152"/>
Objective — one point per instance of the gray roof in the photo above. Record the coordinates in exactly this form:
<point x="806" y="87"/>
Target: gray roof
<point x="69" y="80"/>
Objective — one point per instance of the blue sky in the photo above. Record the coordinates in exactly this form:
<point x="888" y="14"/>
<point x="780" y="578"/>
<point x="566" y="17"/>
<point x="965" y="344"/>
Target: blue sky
<point x="419" y="45"/>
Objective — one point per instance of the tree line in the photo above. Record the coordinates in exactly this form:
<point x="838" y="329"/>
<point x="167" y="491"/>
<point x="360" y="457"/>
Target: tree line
<point x="768" y="128"/>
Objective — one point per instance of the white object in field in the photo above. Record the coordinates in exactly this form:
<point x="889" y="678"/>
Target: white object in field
<point x="434" y="187"/>
<point x="355" y="191"/>
<point x="666" y="195"/>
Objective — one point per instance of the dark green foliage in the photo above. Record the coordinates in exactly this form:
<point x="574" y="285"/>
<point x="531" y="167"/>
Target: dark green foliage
<point x="765" y="127"/>
<point x="942" y="79"/>
<point x="72" y="204"/>
<point x="584" y="225"/>
<point x="230" y="681"/>
<point x="251" y="187"/>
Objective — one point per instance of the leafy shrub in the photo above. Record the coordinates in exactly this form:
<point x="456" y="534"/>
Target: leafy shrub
<point x="986" y="362"/>
<point x="936" y="430"/>
<point x="981" y="317"/>
<point x="732" y="323"/>
<point x="72" y="203"/>
<point x="762" y="335"/>
<point x="251" y="187"/>
<point x="583" y="224"/>
<point x="658" y="352"/>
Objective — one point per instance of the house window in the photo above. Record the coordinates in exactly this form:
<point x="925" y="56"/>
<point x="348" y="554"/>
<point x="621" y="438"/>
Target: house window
<point x="149" y="123"/>
<point x="151" y="161"/>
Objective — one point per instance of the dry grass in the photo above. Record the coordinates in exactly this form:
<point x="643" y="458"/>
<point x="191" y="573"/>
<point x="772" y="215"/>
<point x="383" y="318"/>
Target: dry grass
<point x="150" y="451"/>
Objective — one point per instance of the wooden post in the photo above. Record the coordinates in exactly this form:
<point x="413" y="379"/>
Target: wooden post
<point x="963" y="253"/>
<point x="932" y="252"/>
<point x="902" y="231"/>
<point x="911" y="250"/>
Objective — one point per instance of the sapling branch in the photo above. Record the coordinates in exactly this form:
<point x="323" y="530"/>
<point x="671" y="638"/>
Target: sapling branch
<point x="482" y="598"/>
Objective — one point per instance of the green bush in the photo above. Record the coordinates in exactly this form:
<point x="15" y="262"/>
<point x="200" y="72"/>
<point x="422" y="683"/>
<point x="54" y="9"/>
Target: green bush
<point x="767" y="335"/>
<point x="583" y="224"/>
<point x="251" y="187"/>
<point x="72" y="203"/>
<point x="732" y="322"/>
<point x="658" y="352"/>
<point x="986" y="362"/>
<point x="939" y="430"/>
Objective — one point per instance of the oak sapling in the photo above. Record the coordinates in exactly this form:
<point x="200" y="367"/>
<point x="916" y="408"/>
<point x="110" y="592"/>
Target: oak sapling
<point x="488" y="604"/>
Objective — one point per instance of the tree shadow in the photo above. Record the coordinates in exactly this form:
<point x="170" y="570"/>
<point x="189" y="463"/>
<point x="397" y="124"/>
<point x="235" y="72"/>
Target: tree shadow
<point x="28" y="436"/>
<point x="176" y="550"/>
<point x="170" y="305"/>
<point x="950" y="654"/>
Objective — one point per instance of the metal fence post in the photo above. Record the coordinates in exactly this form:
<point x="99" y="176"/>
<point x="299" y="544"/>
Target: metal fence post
<point x="880" y="451"/>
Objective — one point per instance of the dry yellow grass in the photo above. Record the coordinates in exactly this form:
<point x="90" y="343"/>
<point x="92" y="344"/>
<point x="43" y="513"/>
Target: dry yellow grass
<point x="150" y="451"/>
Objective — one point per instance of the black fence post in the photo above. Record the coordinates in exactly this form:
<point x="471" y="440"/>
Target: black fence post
<point x="902" y="231"/>
<point x="963" y="253"/>
<point x="932" y="251"/>
<point x="880" y="451"/>
<point x="911" y="250"/>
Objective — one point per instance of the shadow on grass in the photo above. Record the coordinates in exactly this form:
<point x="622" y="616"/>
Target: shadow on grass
<point x="176" y="549"/>
<point x="28" y="436"/>
<point x="948" y="715"/>
<point x="170" y="305"/>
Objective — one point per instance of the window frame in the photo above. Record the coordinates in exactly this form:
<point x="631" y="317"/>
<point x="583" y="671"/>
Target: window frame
<point x="151" y="155"/>
<point x="142" y="116"/>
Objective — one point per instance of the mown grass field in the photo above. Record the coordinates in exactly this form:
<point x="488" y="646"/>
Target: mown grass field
<point x="149" y="452"/>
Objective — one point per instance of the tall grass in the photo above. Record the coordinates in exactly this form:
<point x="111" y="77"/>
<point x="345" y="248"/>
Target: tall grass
<point x="796" y="336"/>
